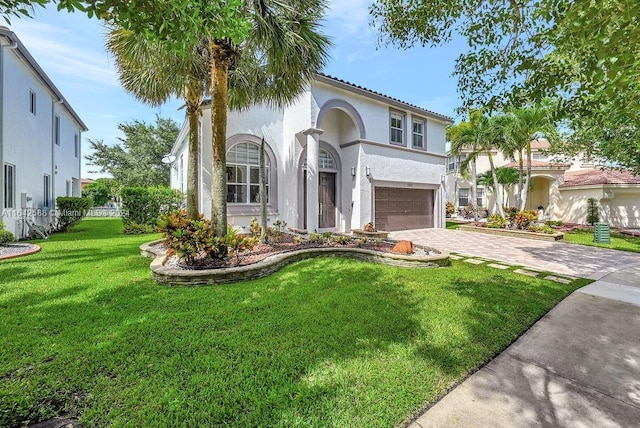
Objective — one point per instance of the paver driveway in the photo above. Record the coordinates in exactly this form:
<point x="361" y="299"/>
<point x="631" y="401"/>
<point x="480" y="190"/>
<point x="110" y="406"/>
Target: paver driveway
<point x="560" y="257"/>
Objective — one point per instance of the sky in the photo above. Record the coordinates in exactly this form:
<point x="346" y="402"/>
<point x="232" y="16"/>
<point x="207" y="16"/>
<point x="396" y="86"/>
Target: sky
<point x="70" y="49"/>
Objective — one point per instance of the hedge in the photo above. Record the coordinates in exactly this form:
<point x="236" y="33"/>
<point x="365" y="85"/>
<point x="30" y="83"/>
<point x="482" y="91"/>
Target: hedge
<point x="145" y="205"/>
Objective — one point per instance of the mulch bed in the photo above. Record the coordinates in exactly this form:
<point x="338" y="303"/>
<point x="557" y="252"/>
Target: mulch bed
<point x="286" y="243"/>
<point x="10" y="251"/>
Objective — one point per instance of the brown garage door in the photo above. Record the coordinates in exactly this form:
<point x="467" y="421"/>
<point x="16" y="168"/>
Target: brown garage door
<point x="399" y="209"/>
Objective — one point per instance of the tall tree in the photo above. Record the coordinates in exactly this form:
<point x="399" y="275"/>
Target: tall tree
<point x="522" y="126"/>
<point x="137" y="161"/>
<point x="153" y="74"/>
<point x="466" y="137"/>
<point x="523" y="51"/>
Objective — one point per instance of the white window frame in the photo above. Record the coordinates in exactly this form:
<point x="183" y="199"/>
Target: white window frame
<point x="9" y="171"/>
<point x="246" y="182"/>
<point x="480" y="197"/>
<point x="47" y="190"/>
<point x="56" y="129"/>
<point x="181" y="172"/>
<point x="414" y="134"/>
<point x="32" y="102"/>
<point x="467" y="196"/>
<point x="397" y="115"/>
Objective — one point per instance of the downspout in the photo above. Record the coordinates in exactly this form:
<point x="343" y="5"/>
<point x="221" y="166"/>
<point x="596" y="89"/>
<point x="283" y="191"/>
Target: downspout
<point x="53" y="157"/>
<point x="12" y="46"/>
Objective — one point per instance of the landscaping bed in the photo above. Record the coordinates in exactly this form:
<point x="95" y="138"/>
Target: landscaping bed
<point x="516" y="233"/>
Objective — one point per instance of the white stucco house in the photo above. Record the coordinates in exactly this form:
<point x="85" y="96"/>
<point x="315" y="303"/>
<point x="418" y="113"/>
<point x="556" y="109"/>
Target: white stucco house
<point x="340" y="156"/>
<point x="561" y="188"/>
<point x="40" y="136"/>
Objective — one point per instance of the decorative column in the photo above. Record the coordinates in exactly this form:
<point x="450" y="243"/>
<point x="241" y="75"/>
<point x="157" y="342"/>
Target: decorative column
<point x="313" y="149"/>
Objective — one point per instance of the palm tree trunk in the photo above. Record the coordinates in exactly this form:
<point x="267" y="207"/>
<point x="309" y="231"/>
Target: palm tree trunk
<point x="495" y="185"/>
<point x="220" y="60"/>
<point x="520" y="180"/>
<point x="263" y="196"/>
<point x="525" y="191"/>
<point x="194" y="99"/>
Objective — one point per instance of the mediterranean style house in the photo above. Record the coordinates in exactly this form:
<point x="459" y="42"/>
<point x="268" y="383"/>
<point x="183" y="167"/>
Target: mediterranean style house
<point x="561" y="189"/>
<point x="338" y="157"/>
<point x="40" y="138"/>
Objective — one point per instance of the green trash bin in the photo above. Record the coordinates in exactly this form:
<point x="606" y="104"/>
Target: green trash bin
<point x="602" y="233"/>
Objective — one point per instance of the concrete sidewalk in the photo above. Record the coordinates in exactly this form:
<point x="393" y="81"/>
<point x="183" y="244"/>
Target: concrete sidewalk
<point x="579" y="366"/>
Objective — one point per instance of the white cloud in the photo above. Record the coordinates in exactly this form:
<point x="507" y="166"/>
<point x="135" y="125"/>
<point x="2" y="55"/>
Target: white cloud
<point x="58" y="51"/>
<point x="349" y="17"/>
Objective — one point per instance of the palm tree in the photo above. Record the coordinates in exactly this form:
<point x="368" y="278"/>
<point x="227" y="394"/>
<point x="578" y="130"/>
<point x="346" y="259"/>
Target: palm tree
<point x="507" y="178"/>
<point x="522" y="126"/>
<point x="286" y="49"/>
<point x="153" y="73"/>
<point x="464" y="137"/>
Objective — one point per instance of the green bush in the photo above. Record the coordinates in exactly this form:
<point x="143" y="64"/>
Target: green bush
<point x="133" y="228"/>
<point x="238" y="243"/>
<point x="510" y="213"/>
<point x="593" y="214"/>
<point x="71" y="210"/>
<point x="524" y="218"/>
<point x="6" y="236"/>
<point x="552" y="223"/>
<point x="98" y="192"/>
<point x="145" y="205"/>
<point x="496" y="221"/>
<point x="191" y="240"/>
<point x="341" y="239"/>
<point x="545" y="228"/>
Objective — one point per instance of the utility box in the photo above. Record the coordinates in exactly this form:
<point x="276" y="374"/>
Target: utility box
<point x="26" y="201"/>
<point x="602" y="233"/>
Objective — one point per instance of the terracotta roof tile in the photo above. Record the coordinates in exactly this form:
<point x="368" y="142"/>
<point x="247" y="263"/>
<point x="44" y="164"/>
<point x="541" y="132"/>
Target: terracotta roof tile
<point x="539" y="164"/>
<point x="599" y="176"/>
<point x="540" y="144"/>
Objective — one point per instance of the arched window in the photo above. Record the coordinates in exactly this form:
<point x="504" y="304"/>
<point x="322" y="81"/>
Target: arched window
<point x="243" y="174"/>
<point x="325" y="160"/>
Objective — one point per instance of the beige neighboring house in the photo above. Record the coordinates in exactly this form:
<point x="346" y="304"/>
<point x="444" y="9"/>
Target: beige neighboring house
<point x="562" y="189"/>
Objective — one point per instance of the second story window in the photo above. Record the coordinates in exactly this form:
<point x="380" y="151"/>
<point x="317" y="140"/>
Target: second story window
<point x="56" y="130"/>
<point x="418" y="134"/>
<point x="32" y="102"/>
<point x="9" y="186"/>
<point x="397" y="128"/>
<point x="76" y="144"/>
<point x="454" y="162"/>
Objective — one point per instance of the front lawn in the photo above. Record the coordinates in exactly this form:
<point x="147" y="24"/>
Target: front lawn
<point x="324" y="342"/>
<point x="619" y="241"/>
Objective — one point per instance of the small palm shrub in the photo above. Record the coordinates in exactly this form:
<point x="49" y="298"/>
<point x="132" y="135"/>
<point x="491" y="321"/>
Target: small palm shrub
<point x="545" y="228"/>
<point x="133" y="228"/>
<point x="5" y="236"/>
<point x="496" y="221"/>
<point x="341" y="239"/>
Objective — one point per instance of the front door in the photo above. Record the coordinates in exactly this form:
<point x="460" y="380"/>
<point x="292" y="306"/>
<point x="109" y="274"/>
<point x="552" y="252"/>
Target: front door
<point x="327" y="200"/>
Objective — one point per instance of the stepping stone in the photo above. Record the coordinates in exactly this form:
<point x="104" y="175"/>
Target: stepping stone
<point x="454" y="257"/>
<point x="558" y="279"/>
<point x="527" y="272"/>
<point x="498" y="266"/>
<point x="474" y="261"/>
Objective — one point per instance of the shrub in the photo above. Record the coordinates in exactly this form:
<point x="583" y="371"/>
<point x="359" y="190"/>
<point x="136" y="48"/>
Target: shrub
<point x="145" y="205"/>
<point x="524" y="218"/>
<point x="450" y="209"/>
<point x="133" y="228"/>
<point x="5" y="236"/>
<point x="98" y="192"/>
<point x="341" y="239"/>
<point x="496" y="221"/>
<point x="315" y="237"/>
<point x="593" y="215"/>
<point x="545" y="228"/>
<point x="70" y="211"/>
<point x="553" y="223"/>
<point x="255" y="227"/>
<point x="510" y="213"/>
<point x="362" y="242"/>
<point x="191" y="240"/>
<point x="238" y="243"/>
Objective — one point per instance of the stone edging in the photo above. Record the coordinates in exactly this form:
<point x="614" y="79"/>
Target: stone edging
<point x="271" y="264"/>
<point x="34" y="249"/>
<point x="513" y="233"/>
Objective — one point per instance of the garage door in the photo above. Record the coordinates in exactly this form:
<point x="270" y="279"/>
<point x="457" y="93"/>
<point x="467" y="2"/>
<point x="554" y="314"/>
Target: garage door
<point x="399" y="209"/>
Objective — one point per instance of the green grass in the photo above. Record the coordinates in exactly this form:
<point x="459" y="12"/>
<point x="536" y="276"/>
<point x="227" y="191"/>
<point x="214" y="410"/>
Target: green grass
<point x="619" y="241"/>
<point x="324" y="342"/>
<point x="452" y="225"/>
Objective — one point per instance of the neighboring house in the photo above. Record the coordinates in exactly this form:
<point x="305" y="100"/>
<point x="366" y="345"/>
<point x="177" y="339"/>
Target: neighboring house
<point x="40" y="138"/>
<point x="562" y="189"/>
<point x="338" y="157"/>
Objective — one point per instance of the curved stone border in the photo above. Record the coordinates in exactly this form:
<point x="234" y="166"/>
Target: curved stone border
<point x="274" y="263"/>
<point x="31" y="249"/>
<point x="514" y="233"/>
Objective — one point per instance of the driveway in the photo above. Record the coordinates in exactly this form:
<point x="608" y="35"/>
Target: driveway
<point x="559" y="257"/>
<point x="578" y="366"/>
